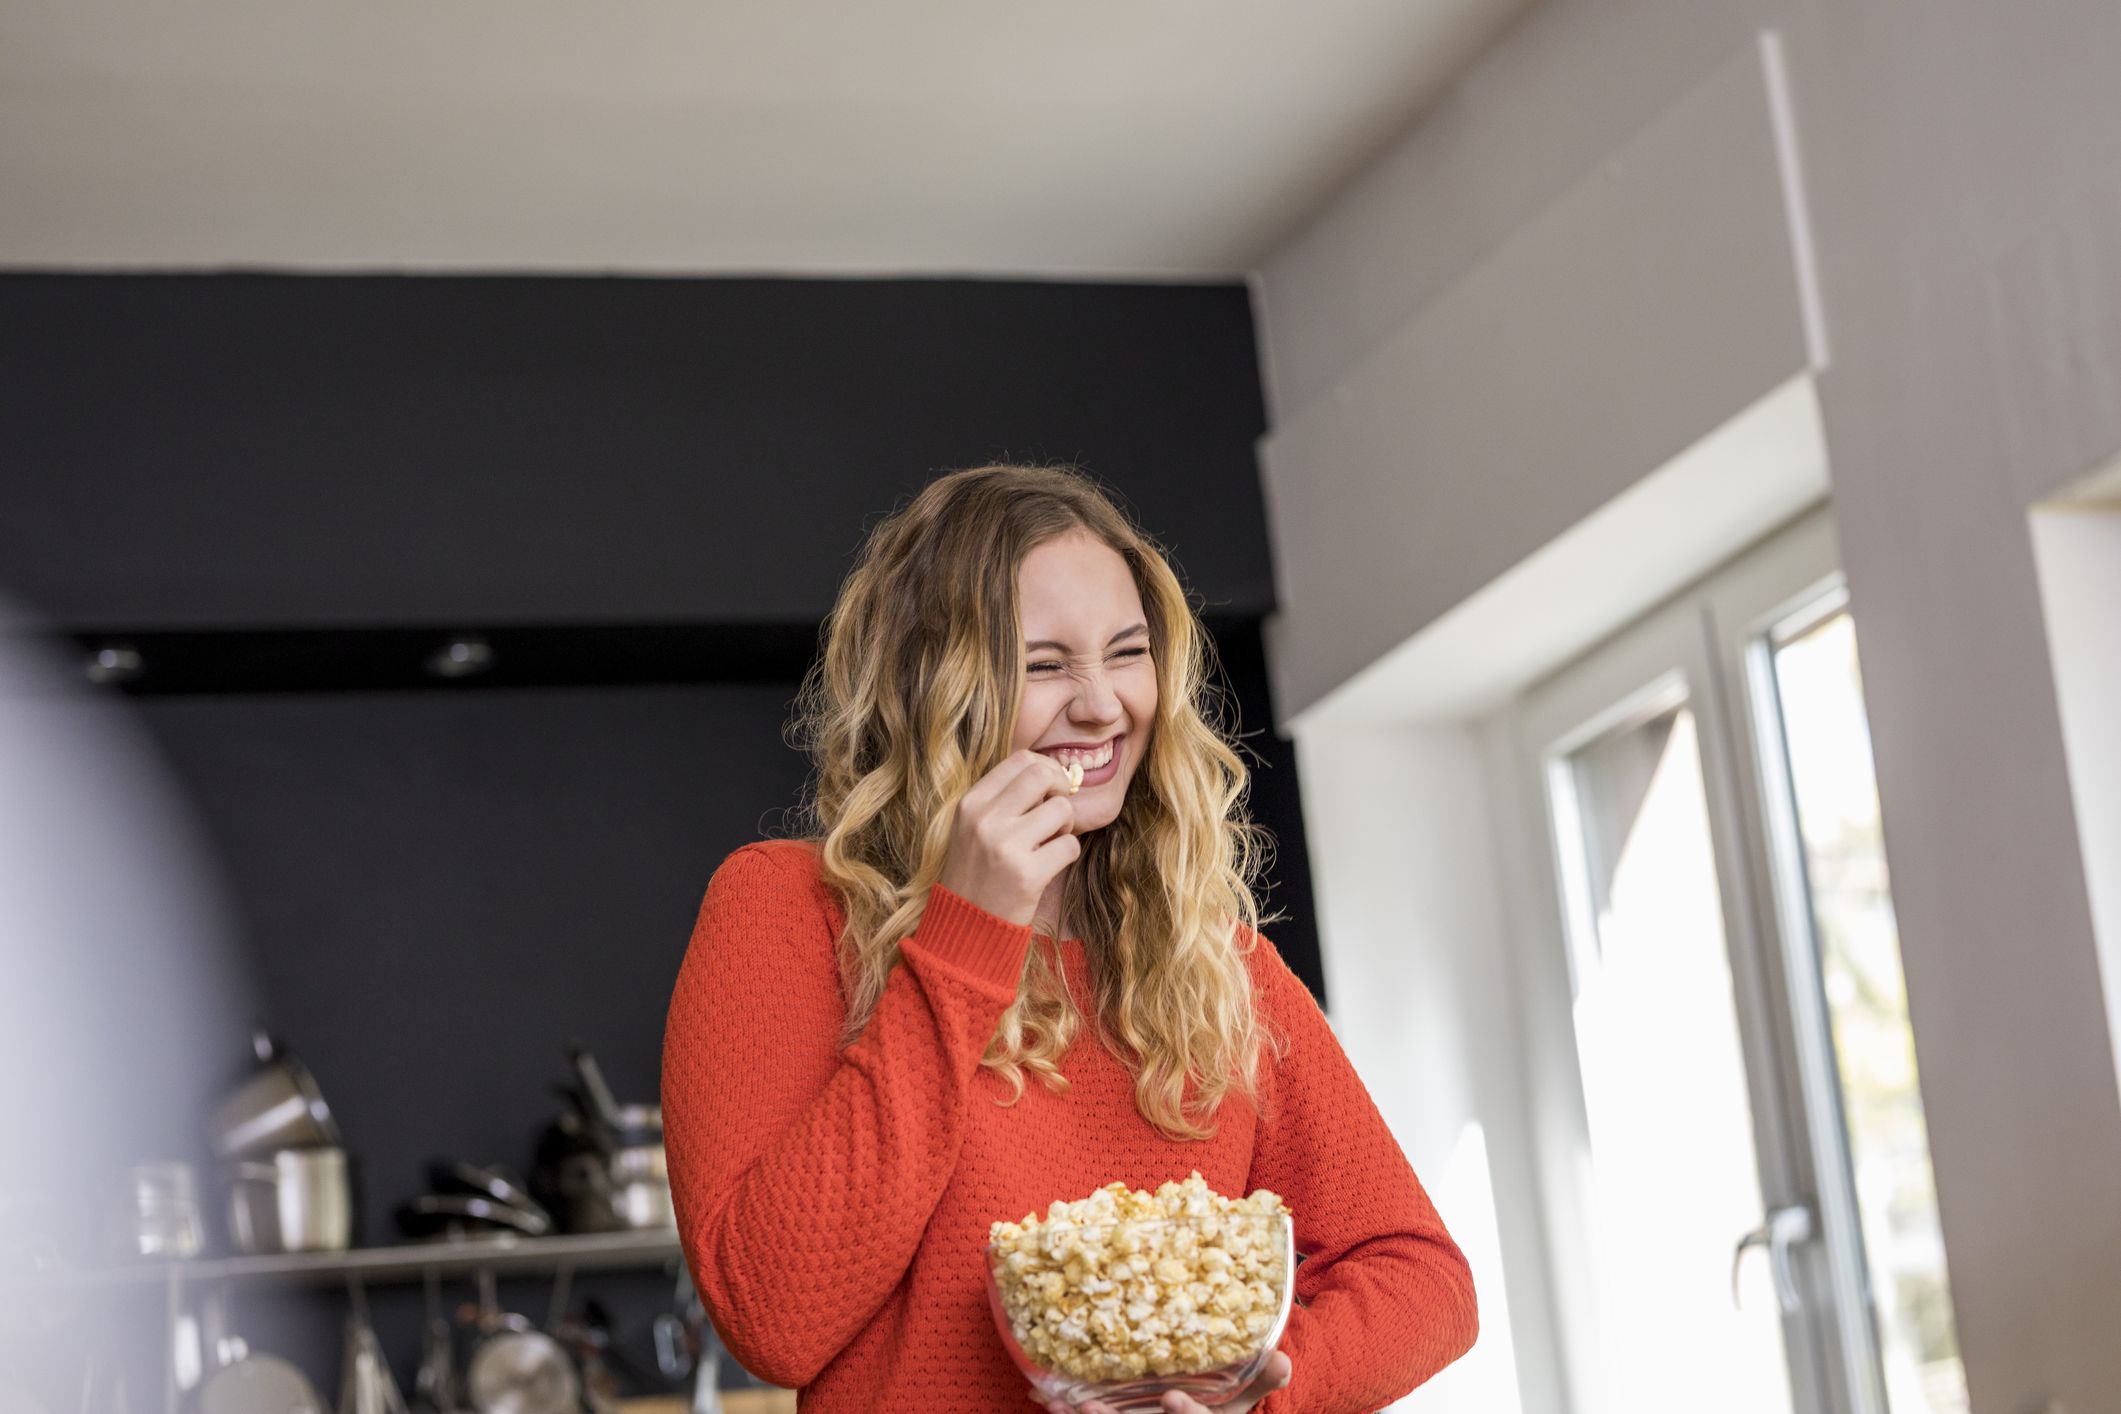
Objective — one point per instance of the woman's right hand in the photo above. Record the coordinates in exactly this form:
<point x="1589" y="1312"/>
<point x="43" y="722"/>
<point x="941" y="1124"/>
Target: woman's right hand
<point x="1015" y="830"/>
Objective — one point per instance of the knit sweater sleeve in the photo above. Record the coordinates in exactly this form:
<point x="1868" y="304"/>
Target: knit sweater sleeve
<point x="803" y="1176"/>
<point x="1384" y="1297"/>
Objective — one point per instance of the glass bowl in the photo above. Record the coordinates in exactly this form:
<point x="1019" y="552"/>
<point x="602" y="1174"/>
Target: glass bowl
<point x="1127" y="1393"/>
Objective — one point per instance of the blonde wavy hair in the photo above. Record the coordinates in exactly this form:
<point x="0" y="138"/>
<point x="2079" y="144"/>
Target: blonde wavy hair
<point x="915" y="698"/>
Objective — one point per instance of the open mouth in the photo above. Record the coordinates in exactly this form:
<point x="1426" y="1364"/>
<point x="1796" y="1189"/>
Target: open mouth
<point x="1098" y="775"/>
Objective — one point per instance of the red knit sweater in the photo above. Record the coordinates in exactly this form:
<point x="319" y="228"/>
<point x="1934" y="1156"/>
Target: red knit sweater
<point x="833" y="1204"/>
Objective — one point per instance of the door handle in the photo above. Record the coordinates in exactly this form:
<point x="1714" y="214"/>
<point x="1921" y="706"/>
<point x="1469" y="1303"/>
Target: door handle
<point x="1784" y="1228"/>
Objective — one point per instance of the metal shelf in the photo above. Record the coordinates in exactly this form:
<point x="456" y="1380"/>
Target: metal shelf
<point x="407" y="1262"/>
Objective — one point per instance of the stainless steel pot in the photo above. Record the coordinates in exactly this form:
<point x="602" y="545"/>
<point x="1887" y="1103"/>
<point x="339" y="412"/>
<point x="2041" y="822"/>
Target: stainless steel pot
<point x="617" y="1191"/>
<point x="277" y="1107"/>
<point x="295" y="1200"/>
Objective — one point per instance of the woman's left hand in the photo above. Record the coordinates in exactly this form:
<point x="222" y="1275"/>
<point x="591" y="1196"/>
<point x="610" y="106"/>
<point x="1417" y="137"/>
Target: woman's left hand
<point x="1277" y="1374"/>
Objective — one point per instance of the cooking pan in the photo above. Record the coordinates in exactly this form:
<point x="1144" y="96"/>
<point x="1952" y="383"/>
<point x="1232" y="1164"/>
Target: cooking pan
<point x="433" y="1215"/>
<point x="485" y="1181"/>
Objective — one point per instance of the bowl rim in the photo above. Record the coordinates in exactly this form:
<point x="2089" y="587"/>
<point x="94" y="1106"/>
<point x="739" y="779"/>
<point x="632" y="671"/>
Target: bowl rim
<point x="1191" y="1220"/>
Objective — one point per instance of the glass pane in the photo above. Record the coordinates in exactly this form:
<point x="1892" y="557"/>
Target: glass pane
<point x="1858" y="948"/>
<point x="1664" y="1083"/>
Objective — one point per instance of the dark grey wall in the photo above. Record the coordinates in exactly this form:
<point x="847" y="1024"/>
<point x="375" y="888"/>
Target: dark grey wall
<point x="271" y="449"/>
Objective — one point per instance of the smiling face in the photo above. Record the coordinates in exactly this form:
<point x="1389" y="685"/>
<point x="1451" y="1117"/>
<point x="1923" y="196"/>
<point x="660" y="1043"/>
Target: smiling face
<point x="1089" y="679"/>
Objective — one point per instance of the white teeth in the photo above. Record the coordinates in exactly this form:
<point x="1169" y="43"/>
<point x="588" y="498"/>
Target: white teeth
<point x="1089" y="760"/>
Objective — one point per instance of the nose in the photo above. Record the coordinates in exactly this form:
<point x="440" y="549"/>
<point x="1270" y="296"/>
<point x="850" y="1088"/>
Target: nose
<point x="1095" y="701"/>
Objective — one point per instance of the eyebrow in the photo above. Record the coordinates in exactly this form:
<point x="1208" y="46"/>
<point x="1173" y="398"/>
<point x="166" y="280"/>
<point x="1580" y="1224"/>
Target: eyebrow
<point x="1049" y="643"/>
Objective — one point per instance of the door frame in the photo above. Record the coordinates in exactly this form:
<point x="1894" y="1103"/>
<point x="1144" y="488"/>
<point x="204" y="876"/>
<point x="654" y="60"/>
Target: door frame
<point x="1790" y="582"/>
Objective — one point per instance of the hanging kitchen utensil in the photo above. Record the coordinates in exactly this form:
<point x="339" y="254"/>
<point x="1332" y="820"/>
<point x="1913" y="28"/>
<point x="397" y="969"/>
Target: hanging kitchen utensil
<point x="588" y="1339"/>
<point x="434" y="1386"/>
<point x="674" y="1354"/>
<point x="685" y="1342"/>
<point x="258" y="1384"/>
<point x="243" y="1382"/>
<point x="516" y="1368"/>
<point x="366" y="1386"/>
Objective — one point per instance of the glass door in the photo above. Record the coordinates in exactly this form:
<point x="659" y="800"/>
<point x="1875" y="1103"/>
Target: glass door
<point x="1746" y="1148"/>
<point x="1686" y="1142"/>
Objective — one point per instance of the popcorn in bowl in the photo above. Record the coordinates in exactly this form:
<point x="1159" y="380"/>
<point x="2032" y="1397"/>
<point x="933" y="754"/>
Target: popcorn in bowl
<point x="1125" y="1294"/>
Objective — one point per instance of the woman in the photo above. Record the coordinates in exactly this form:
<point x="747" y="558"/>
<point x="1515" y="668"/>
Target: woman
<point x="844" y="1094"/>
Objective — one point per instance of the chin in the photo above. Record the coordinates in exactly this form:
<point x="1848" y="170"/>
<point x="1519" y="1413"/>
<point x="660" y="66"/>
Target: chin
<point x="1098" y="823"/>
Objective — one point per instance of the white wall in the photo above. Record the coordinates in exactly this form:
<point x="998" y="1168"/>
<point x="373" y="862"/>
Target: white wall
<point x="1959" y="186"/>
<point x="1398" y="824"/>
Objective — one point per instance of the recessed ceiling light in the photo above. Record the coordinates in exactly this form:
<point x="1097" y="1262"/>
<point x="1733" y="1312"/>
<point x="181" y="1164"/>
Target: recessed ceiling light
<point x="114" y="663"/>
<point x="461" y="658"/>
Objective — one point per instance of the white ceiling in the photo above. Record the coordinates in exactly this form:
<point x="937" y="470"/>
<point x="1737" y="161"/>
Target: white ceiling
<point x="1075" y="138"/>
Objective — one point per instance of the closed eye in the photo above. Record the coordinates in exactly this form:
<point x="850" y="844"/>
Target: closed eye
<point x="1123" y="653"/>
